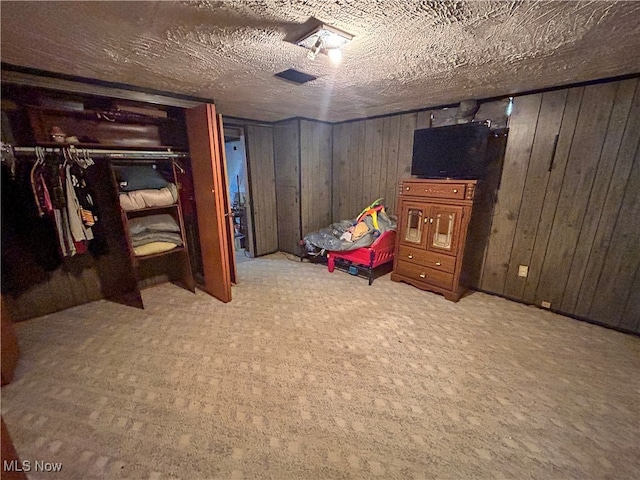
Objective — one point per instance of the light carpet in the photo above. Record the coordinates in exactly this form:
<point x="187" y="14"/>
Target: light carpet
<point x="314" y="375"/>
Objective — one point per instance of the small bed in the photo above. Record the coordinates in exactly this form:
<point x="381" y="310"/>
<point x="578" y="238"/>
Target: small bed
<point x="365" y="259"/>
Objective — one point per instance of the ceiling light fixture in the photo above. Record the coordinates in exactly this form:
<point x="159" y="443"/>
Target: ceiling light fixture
<point x="325" y="39"/>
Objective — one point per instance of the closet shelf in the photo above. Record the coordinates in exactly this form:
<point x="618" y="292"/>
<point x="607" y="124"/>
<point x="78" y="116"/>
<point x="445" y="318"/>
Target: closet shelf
<point x="160" y="254"/>
<point x="105" y="146"/>
<point x="119" y="116"/>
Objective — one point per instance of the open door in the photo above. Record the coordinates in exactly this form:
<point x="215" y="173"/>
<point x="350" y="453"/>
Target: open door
<point x="230" y="232"/>
<point x="208" y="166"/>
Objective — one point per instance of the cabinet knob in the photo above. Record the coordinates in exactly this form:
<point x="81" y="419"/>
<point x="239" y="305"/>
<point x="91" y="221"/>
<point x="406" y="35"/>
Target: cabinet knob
<point x="423" y="275"/>
<point x="455" y="190"/>
<point x="410" y="255"/>
<point x="407" y="188"/>
<point x="438" y="264"/>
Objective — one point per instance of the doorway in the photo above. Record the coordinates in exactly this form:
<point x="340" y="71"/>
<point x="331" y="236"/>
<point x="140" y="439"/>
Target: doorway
<point x="235" y="151"/>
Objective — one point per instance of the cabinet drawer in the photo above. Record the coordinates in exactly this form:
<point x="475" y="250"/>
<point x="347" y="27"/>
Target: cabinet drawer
<point x="424" y="274"/>
<point x="455" y="191"/>
<point x="445" y="263"/>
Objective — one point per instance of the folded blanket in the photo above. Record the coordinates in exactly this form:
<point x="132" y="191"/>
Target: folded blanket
<point x="149" y="198"/>
<point x="150" y="237"/>
<point x="156" y="223"/>
<point x="155" y="247"/>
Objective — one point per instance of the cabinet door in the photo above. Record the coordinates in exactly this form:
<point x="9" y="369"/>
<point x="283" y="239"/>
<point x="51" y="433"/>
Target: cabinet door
<point x="209" y="183"/>
<point x="444" y="228"/>
<point x="413" y="221"/>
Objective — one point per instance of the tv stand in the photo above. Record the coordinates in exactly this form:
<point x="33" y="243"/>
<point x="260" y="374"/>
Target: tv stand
<point x="433" y="220"/>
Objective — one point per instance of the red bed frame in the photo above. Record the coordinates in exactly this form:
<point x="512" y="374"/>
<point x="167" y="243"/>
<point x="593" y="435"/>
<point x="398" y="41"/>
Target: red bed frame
<point x="378" y="253"/>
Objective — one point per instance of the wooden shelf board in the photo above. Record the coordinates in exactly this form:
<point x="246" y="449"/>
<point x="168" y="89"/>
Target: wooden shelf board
<point x="160" y="254"/>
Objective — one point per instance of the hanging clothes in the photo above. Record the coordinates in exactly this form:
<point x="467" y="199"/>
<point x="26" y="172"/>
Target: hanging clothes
<point x="29" y="241"/>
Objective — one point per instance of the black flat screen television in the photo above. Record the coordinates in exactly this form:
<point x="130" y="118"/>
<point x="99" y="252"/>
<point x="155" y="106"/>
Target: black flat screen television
<point x="454" y="151"/>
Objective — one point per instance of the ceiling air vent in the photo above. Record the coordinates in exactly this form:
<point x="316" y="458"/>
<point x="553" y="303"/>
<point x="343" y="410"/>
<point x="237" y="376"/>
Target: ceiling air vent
<point x="295" y="76"/>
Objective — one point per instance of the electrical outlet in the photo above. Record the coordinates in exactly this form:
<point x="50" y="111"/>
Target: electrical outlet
<point x="546" y="304"/>
<point x="523" y="270"/>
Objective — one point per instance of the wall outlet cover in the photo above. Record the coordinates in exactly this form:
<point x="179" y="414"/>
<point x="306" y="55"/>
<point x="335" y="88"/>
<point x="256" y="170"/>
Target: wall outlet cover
<point x="546" y="304"/>
<point x="523" y="270"/>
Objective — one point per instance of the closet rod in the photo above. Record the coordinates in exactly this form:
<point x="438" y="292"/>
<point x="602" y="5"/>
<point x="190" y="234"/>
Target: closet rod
<point x="104" y="153"/>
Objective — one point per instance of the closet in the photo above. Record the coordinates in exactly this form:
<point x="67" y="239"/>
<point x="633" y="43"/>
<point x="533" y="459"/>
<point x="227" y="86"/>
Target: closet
<point x="136" y="241"/>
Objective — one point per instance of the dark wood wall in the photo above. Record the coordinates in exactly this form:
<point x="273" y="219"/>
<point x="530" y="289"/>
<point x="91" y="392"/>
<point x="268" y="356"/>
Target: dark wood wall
<point x="369" y="157"/>
<point x="303" y="179"/>
<point x="261" y="166"/>
<point x="315" y="175"/>
<point x="286" y="138"/>
<point x="568" y="206"/>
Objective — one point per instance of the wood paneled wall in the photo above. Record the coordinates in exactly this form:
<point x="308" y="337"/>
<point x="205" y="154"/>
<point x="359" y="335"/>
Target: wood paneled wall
<point x="286" y="138"/>
<point x="260" y="163"/>
<point x="569" y="204"/>
<point x="303" y="179"/>
<point x="315" y="175"/>
<point x="369" y="157"/>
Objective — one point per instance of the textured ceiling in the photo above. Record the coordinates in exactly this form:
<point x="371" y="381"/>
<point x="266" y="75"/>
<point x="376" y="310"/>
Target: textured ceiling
<point x="405" y="55"/>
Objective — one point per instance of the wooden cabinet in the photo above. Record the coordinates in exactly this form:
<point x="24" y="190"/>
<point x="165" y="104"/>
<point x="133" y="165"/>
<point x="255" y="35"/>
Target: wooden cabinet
<point x="432" y="228"/>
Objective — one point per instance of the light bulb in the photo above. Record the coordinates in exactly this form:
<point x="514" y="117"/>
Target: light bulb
<point x="335" y="55"/>
<point x="315" y="49"/>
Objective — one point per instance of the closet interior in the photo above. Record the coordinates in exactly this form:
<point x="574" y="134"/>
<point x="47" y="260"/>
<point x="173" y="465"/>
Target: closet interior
<point x="97" y="200"/>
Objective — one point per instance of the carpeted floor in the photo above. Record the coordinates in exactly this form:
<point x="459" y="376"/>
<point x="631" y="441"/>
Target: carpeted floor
<point x="312" y="375"/>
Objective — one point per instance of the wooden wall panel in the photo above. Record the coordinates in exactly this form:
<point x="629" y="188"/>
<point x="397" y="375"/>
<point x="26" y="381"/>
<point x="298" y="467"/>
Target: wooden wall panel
<point x="390" y="143"/>
<point x="562" y="222"/>
<point x="423" y="119"/>
<point x="374" y="161"/>
<point x="356" y="161"/>
<point x="315" y="168"/>
<point x="369" y="158"/>
<point x="573" y="226"/>
<point x="547" y="216"/>
<point x="408" y="124"/>
<point x="340" y="174"/>
<point x="631" y="315"/>
<point x="519" y="145"/>
<point x="588" y="140"/>
<point x="286" y="143"/>
<point x="260" y="163"/>
<point x="622" y="260"/>
<point x="606" y="162"/>
<point x="609" y="212"/>
<point x="535" y="188"/>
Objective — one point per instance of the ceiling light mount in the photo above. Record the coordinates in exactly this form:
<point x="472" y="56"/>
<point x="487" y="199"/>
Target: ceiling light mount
<point x="323" y="38"/>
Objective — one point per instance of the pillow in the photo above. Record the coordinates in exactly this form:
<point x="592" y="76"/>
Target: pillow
<point x="139" y="177"/>
<point x="160" y="222"/>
